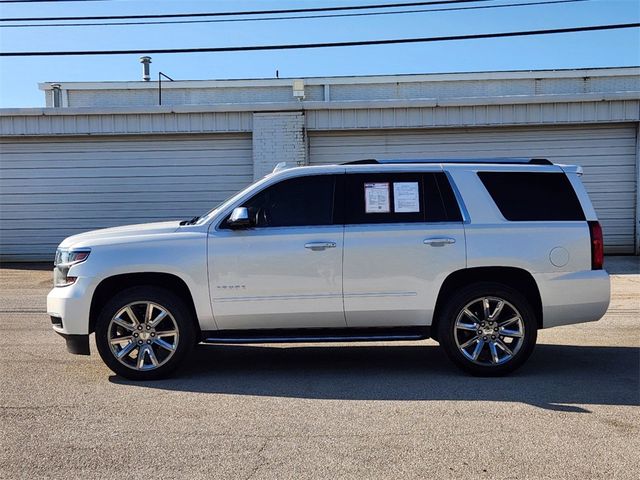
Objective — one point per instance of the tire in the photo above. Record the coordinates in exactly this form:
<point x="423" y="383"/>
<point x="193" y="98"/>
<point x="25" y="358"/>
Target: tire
<point x="146" y="319"/>
<point x="487" y="345"/>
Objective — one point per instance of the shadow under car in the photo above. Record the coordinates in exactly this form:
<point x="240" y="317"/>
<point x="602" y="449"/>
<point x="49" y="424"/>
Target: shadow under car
<point x="557" y="377"/>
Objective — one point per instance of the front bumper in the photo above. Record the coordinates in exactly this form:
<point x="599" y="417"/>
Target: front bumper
<point x="70" y="306"/>
<point x="577" y="297"/>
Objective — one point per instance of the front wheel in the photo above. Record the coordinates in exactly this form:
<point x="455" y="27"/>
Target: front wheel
<point x="144" y="333"/>
<point x="487" y="329"/>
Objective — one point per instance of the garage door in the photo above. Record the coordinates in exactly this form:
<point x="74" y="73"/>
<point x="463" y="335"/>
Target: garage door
<point x="606" y="152"/>
<point x="52" y="189"/>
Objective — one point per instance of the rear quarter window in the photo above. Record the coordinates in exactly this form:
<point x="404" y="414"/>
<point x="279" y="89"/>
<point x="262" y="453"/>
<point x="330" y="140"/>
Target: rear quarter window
<point x="533" y="196"/>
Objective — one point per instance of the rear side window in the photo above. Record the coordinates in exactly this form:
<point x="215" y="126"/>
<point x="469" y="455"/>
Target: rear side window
<point x="533" y="196"/>
<point x="398" y="198"/>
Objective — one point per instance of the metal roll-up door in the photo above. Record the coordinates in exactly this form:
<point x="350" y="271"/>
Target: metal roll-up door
<point x="52" y="188"/>
<point x="607" y="153"/>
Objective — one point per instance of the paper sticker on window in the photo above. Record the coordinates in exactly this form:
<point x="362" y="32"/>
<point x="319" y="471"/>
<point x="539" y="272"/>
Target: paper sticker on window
<point x="406" y="197"/>
<point x="376" y="197"/>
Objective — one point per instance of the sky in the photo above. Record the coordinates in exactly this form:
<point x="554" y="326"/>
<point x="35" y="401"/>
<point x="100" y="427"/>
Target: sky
<point x="19" y="76"/>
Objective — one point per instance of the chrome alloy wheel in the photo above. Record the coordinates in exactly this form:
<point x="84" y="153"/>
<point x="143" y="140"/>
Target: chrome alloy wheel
<point x="143" y="335"/>
<point x="489" y="331"/>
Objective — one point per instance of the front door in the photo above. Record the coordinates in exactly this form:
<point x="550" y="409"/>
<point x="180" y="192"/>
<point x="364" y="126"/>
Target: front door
<point x="403" y="236"/>
<point x="285" y="271"/>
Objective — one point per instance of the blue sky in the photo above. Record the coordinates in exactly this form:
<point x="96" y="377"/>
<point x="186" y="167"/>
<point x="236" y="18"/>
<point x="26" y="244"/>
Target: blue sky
<point x="19" y="76"/>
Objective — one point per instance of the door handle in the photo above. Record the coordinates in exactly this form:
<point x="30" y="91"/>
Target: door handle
<point x="439" y="241"/>
<point x="316" y="246"/>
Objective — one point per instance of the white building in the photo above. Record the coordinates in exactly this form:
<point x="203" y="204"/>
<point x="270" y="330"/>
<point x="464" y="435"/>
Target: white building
<point x="104" y="154"/>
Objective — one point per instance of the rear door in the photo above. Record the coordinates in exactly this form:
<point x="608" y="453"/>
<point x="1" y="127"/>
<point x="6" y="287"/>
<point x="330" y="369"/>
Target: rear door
<point x="403" y="235"/>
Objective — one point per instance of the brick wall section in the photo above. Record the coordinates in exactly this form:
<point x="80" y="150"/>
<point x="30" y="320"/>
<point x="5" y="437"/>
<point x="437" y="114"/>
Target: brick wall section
<point x="278" y="137"/>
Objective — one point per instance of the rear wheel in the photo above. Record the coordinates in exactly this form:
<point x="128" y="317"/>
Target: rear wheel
<point x="487" y="329"/>
<point x="144" y="333"/>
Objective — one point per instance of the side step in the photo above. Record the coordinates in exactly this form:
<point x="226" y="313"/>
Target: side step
<point x="299" y="335"/>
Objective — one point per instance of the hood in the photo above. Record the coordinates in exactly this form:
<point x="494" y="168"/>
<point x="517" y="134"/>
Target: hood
<point x="120" y="232"/>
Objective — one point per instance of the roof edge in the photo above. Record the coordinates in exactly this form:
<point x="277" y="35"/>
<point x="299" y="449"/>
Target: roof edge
<point x="353" y="79"/>
<point x="300" y="106"/>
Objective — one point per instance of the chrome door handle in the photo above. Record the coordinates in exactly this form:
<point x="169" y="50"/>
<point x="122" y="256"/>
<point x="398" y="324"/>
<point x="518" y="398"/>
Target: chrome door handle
<point x="315" y="246"/>
<point x="439" y="241"/>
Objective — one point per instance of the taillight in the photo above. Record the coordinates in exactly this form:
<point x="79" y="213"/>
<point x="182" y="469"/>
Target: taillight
<point x="597" y="245"/>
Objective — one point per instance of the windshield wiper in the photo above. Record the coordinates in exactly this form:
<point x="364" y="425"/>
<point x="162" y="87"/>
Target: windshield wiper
<point x="190" y="222"/>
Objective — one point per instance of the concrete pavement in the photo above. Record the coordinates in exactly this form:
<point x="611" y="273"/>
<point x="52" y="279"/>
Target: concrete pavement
<point x="358" y="411"/>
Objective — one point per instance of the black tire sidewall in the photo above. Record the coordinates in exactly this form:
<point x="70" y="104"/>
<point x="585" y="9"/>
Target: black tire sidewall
<point x="168" y="300"/>
<point x="447" y="318"/>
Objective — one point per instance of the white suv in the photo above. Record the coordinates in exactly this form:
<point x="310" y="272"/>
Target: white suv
<point x="477" y="255"/>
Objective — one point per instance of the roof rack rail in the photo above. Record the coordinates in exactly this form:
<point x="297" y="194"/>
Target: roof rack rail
<point x="369" y="161"/>
<point x="507" y="161"/>
<point x="540" y="161"/>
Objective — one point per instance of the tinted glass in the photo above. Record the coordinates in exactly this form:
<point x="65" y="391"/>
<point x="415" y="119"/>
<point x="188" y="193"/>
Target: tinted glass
<point x="533" y="196"/>
<point x="395" y="198"/>
<point x="301" y="201"/>
<point x="449" y="201"/>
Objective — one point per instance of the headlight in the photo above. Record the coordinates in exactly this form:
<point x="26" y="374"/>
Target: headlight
<point x="65" y="259"/>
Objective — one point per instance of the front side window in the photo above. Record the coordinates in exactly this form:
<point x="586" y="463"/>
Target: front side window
<point x="296" y="202"/>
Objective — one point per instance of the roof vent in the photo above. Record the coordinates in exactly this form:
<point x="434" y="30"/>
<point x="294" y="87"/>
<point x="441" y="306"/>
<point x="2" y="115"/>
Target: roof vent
<point x="56" y="90"/>
<point x="145" y="61"/>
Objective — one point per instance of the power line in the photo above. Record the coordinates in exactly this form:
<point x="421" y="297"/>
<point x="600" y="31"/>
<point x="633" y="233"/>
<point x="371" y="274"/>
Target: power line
<point x="325" y="45"/>
<point x="50" y="1"/>
<point x="298" y="17"/>
<point x="247" y="12"/>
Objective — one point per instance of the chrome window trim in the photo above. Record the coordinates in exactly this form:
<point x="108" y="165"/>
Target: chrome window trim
<point x="262" y="229"/>
<point x="466" y="218"/>
<point x="404" y="224"/>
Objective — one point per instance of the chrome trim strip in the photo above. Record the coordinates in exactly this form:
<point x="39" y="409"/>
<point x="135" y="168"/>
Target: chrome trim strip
<point x="278" y="297"/>
<point x="381" y="294"/>
<point x="466" y="218"/>
<point x="315" y="297"/>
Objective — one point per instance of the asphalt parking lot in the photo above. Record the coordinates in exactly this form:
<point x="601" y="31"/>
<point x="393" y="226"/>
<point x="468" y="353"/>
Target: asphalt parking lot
<point x="388" y="410"/>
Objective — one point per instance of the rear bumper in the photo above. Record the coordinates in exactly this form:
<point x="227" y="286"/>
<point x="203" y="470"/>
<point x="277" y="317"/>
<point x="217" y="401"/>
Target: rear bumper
<point x="576" y="297"/>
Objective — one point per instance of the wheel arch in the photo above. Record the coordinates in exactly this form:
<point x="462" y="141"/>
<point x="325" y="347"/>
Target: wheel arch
<point x="513" y="277"/>
<point x="110" y="286"/>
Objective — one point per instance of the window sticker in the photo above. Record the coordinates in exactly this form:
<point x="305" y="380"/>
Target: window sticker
<point x="376" y="197"/>
<point x="406" y="197"/>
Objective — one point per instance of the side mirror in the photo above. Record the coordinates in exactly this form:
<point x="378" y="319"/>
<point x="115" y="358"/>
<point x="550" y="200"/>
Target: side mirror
<point x="239" y="218"/>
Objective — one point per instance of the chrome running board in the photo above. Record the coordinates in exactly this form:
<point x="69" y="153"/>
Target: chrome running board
<point x="317" y="335"/>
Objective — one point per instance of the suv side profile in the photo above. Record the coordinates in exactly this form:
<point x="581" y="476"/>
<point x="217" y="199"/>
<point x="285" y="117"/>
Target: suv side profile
<point x="476" y="254"/>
